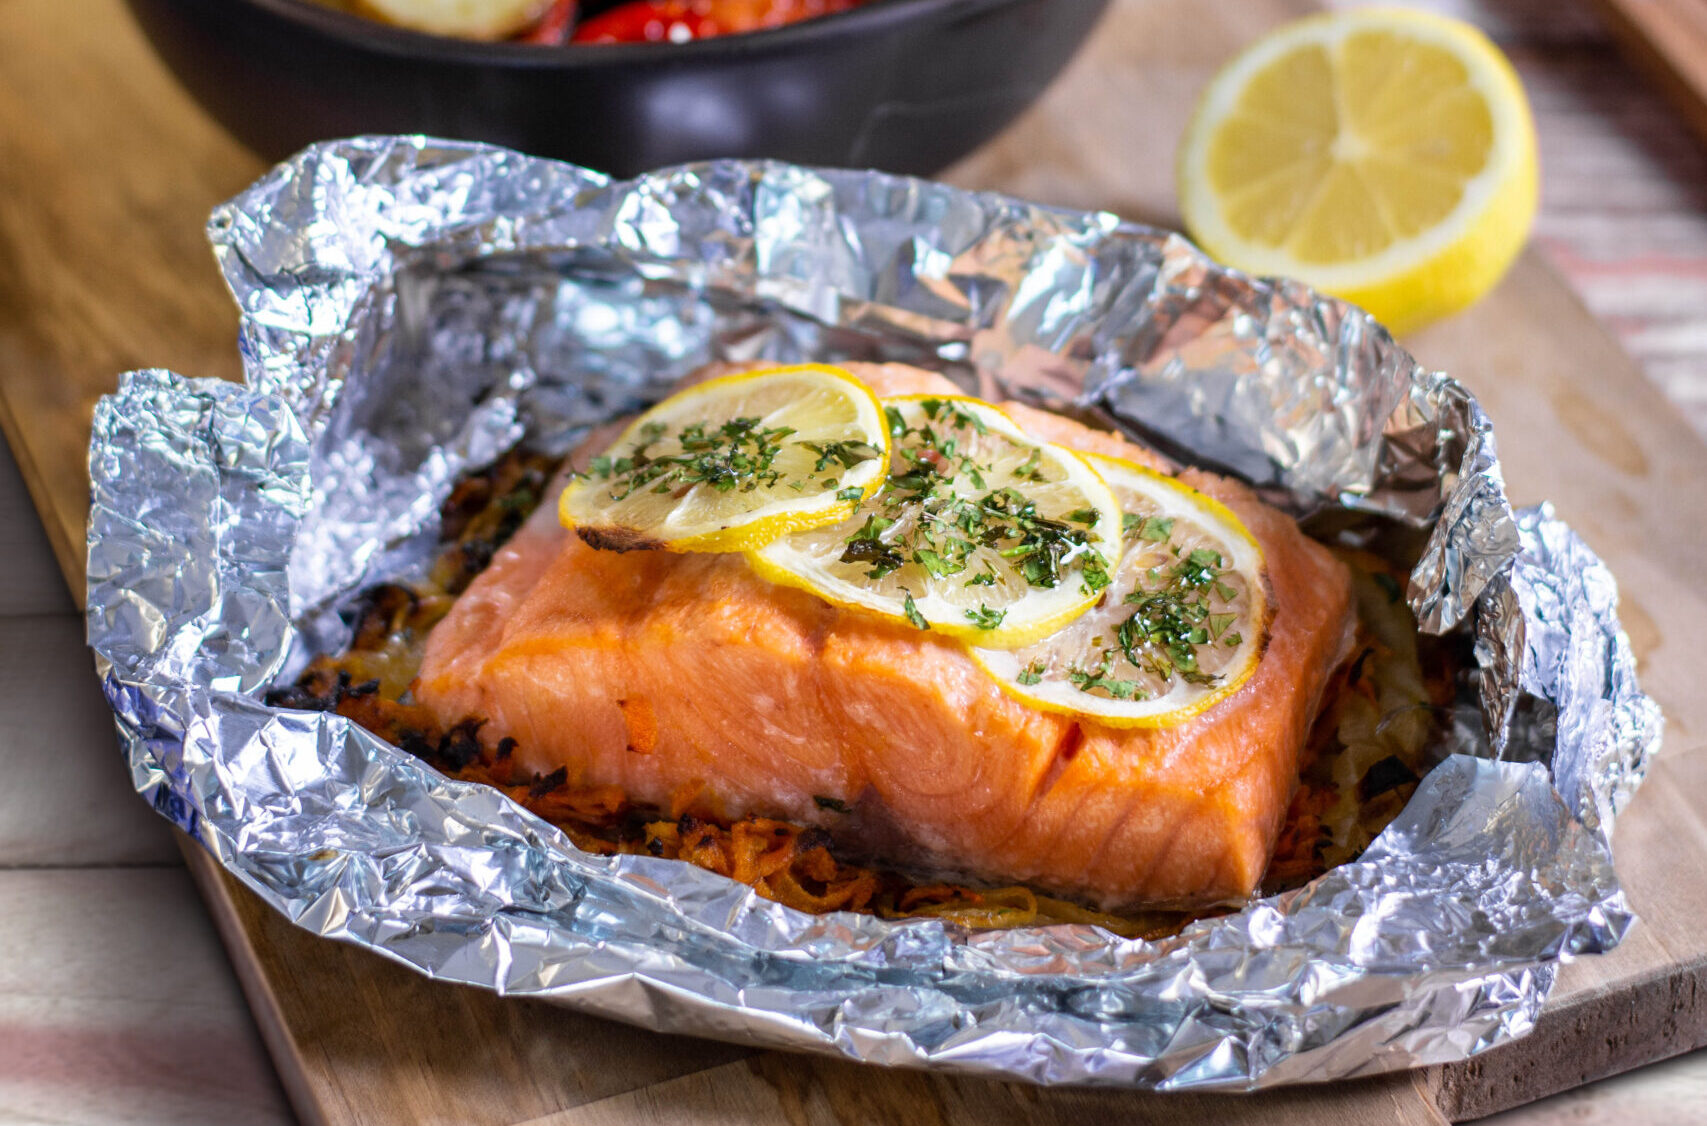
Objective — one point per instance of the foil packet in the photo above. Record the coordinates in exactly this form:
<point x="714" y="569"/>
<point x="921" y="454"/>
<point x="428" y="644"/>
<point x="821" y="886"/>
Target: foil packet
<point x="411" y="308"/>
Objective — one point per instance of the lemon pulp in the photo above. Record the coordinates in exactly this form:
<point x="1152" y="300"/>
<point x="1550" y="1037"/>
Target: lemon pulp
<point x="733" y="463"/>
<point x="1382" y="155"/>
<point x="1180" y="627"/>
<point x="980" y="532"/>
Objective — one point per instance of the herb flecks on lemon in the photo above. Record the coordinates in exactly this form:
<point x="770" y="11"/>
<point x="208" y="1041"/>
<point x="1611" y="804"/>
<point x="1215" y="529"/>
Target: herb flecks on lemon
<point x="734" y="463"/>
<point x="1083" y="584"/>
<point x="1382" y="155"/>
<point x="980" y="531"/>
<point x="1182" y="625"/>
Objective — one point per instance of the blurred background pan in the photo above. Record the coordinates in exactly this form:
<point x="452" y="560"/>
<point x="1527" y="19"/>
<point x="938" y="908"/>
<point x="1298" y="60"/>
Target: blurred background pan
<point x="902" y="85"/>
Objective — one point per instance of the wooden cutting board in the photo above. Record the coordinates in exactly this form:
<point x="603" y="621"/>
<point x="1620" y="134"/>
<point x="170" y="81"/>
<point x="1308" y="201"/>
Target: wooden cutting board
<point x="1668" y="40"/>
<point x="107" y="173"/>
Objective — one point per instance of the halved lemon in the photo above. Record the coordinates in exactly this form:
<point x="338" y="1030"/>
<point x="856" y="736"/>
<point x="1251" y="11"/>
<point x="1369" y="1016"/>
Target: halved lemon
<point x="1383" y="155"/>
<point x="980" y="532"/>
<point x="733" y="463"/>
<point x="1181" y="626"/>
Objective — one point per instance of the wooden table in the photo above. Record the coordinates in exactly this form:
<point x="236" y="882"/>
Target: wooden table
<point x="116" y="1002"/>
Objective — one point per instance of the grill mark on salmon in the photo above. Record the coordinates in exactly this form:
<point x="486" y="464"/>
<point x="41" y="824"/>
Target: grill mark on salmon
<point x="766" y="698"/>
<point x="618" y="539"/>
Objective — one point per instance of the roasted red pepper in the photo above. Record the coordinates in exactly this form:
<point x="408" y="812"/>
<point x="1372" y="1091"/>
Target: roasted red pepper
<point x="676" y="21"/>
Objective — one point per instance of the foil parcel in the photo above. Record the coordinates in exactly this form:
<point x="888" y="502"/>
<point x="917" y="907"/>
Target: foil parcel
<point x="412" y="308"/>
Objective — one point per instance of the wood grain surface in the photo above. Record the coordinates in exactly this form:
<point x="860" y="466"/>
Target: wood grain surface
<point x="1668" y="40"/>
<point x="103" y="266"/>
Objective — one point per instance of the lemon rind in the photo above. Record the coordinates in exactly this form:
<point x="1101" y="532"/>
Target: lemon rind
<point x="1134" y="714"/>
<point x="1003" y="636"/>
<point x="1416" y="279"/>
<point x="796" y="515"/>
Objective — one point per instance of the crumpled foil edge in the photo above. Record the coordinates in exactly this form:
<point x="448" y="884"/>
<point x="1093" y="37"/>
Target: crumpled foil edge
<point x="226" y="519"/>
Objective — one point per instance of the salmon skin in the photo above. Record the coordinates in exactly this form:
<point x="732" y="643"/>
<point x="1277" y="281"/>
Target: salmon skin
<point x="670" y="674"/>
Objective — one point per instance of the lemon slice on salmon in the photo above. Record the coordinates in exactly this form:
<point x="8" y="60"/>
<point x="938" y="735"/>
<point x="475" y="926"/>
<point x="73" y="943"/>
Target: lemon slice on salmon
<point x="1181" y="626"/>
<point x="733" y="463"/>
<point x="1384" y="155"/>
<point x="980" y="532"/>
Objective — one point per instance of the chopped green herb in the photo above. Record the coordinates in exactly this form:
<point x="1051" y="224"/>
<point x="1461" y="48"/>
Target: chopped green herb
<point x="911" y="609"/>
<point x="1119" y="689"/>
<point x="1095" y="573"/>
<point x="932" y="520"/>
<point x="738" y="454"/>
<point x="985" y="618"/>
<point x="873" y="528"/>
<point x="849" y="454"/>
<point x="1032" y="673"/>
<point x="935" y="564"/>
<point x="866" y="546"/>
<point x="1030" y="467"/>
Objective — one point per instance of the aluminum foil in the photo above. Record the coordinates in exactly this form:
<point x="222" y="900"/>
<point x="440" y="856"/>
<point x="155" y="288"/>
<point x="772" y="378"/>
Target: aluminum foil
<point x="410" y="308"/>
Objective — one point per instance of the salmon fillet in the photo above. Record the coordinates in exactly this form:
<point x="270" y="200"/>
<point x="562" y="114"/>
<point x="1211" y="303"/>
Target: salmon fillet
<point x="662" y="673"/>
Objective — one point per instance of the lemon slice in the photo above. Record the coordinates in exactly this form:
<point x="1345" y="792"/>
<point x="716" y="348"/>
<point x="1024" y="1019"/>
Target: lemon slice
<point x="1382" y="155"/>
<point x="1181" y="626"/>
<point x="980" y="532"/>
<point x="733" y="463"/>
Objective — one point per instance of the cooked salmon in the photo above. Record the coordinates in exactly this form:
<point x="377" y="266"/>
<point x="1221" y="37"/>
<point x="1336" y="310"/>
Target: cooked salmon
<point x="671" y="674"/>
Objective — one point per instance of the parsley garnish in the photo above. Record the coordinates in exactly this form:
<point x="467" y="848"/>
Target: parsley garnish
<point x="849" y="454"/>
<point x="912" y="611"/>
<point x="739" y="454"/>
<point x="938" y="510"/>
<point x="1032" y="673"/>
<point x="1099" y="678"/>
<point x="867" y="546"/>
<point x="1152" y="529"/>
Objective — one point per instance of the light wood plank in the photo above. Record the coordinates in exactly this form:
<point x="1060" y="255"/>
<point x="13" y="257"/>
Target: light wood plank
<point x="108" y="172"/>
<point x="67" y="798"/>
<point x="116" y="1006"/>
